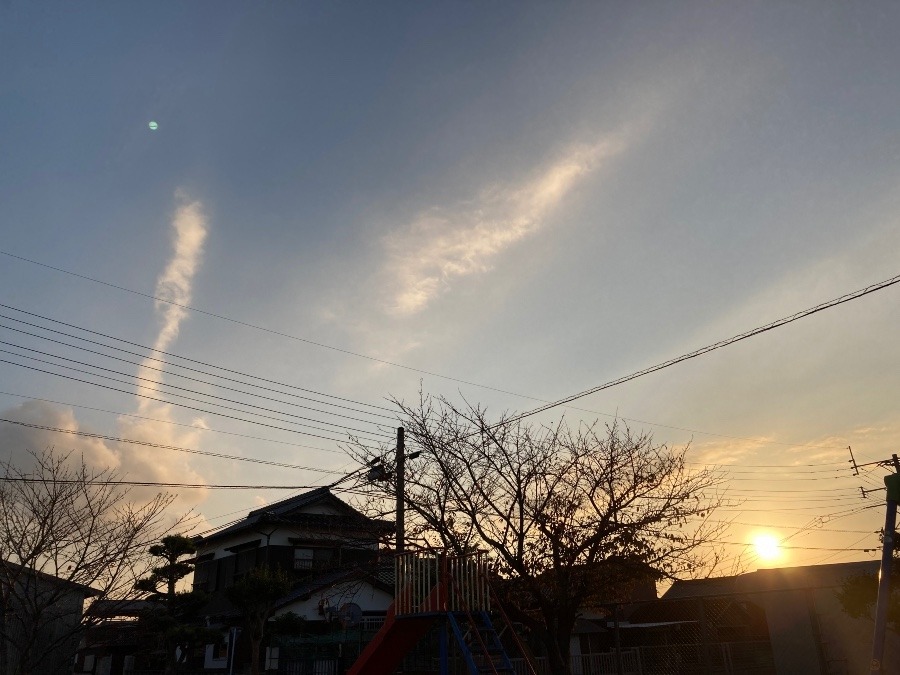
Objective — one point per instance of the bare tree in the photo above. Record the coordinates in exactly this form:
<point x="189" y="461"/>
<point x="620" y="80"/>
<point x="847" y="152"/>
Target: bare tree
<point x="66" y="532"/>
<point x="570" y="517"/>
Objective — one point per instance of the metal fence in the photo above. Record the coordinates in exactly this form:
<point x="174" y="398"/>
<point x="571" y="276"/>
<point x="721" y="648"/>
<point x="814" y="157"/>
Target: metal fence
<point x="587" y="664"/>
<point x="725" y="659"/>
<point x="726" y="635"/>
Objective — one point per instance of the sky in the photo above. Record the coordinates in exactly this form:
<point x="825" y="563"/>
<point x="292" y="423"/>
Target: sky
<point x="503" y="203"/>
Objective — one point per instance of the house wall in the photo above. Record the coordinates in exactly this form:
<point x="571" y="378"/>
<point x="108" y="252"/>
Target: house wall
<point x="219" y="572"/>
<point x="792" y="632"/>
<point x="810" y="633"/>
<point x="55" y="630"/>
<point x="847" y="641"/>
<point x="368" y="598"/>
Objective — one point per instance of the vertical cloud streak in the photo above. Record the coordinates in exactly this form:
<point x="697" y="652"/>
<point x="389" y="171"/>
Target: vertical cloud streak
<point x="174" y="284"/>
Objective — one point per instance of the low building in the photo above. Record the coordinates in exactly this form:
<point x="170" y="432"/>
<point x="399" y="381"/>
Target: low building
<point x="805" y="624"/>
<point x="40" y="621"/>
<point x="329" y="548"/>
<point x="114" y="643"/>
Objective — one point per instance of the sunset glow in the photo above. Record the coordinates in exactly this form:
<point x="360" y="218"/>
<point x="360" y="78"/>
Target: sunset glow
<point x="767" y="547"/>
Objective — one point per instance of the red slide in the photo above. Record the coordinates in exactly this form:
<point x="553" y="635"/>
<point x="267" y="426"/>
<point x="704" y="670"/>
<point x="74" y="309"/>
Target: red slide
<point x="395" y="639"/>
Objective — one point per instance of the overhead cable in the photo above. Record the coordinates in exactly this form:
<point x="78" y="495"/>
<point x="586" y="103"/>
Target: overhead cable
<point x="183" y="358"/>
<point x="159" y="383"/>
<point x="170" y="422"/>
<point x="182" y="405"/>
<point x="162" y="446"/>
<point x="847" y="297"/>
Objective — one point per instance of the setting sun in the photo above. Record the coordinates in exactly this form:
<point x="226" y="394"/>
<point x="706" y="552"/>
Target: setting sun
<point x="767" y="547"/>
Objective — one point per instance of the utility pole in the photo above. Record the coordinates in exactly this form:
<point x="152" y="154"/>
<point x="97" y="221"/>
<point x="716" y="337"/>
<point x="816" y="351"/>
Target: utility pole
<point x="892" y="483"/>
<point x="401" y="503"/>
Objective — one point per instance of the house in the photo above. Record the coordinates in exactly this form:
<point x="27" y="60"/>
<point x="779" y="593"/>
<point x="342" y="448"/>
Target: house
<point x="328" y="547"/>
<point x="40" y="620"/>
<point x="794" y="609"/>
<point x="114" y="642"/>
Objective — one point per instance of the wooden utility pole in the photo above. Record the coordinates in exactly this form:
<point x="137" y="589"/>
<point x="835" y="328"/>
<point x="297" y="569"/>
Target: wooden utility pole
<point x="401" y="502"/>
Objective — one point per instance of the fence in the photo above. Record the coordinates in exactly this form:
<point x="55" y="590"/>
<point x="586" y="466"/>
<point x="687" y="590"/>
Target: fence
<point x="432" y="582"/>
<point x="587" y="664"/>
<point x="725" y="659"/>
<point x="724" y="635"/>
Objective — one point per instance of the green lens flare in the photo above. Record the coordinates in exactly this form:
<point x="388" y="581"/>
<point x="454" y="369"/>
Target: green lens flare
<point x="153" y="126"/>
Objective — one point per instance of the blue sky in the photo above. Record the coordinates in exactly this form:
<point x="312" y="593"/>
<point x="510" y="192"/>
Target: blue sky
<point x="533" y="197"/>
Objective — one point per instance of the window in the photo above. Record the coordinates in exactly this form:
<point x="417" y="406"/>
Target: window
<point x="303" y="558"/>
<point x="271" y="658"/>
<point x="314" y="558"/>
<point x="220" y="649"/>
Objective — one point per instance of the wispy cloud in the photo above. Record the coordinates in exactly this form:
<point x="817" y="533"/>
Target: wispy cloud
<point x="189" y="230"/>
<point x="727" y="451"/>
<point x="443" y="245"/>
<point x="175" y="283"/>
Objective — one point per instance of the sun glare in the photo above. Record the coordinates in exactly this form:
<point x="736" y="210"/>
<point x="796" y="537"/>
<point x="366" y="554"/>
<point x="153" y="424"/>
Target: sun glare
<point x="767" y="547"/>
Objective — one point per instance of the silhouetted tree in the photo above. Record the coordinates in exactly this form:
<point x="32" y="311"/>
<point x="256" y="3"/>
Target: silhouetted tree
<point x="63" y="519"/>
<point x="858" y="594"/>
<point x="174" y="618"/>
<point x="255" y="595"/>
<point x="566" y="515"/>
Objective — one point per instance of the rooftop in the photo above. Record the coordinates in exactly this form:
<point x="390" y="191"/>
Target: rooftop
<point x="775" y="579"/>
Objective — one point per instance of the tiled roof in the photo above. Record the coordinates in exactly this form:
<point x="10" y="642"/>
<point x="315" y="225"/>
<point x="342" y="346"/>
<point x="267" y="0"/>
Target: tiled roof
<point x="285" y="511"/>
<point x="296" y="502"/>
<point x="49" y="578"/>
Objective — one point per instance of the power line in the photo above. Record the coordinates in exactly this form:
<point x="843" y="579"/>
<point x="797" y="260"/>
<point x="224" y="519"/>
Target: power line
<point x="214" y="384"/>
<point x="159" y="351"/>
<point x="832" y="555"/>
<point x="708" y="433"/>
<point x="331" y="485"/>
<point x="141" y="483"/>
<point x="828" y="490"/>
<point x="789" y="527"/>
<point x="773" y="466"/>
<point x="792" y="548"/>
<point x="247" y="324"/>
<point x="162" y="446"/>
<point x="779" y="509"/>
<point x="790" y="500"/>
<point x="161" y="421"/>
<point x="188" y="377"/>
<point x="792" y="480"/>
<point x="175" y="403"/>
<point x="159" y="383"/>
<point x="709" y="348"/>
<point x="379" y="360"/>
